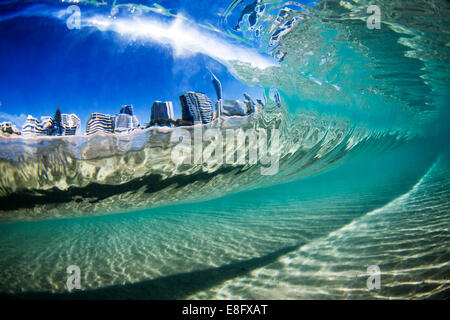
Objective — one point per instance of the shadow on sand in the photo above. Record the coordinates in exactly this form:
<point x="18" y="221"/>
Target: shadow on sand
<point x="178" y="286"/>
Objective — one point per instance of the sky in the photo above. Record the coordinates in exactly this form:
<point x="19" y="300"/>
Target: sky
<point x="99" y="68"/>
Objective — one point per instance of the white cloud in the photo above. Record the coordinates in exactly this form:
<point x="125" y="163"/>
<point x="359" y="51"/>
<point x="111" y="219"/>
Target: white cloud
<point x="184" y="38"/>
<point x="19" y="121"/>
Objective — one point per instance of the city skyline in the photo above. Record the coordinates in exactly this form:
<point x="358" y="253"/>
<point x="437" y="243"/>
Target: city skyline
<point x="195" y="107"/>
<point x="8" y="114"/>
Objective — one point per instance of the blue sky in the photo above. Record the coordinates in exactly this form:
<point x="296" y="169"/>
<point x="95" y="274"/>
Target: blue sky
<point x="44" y="64"/>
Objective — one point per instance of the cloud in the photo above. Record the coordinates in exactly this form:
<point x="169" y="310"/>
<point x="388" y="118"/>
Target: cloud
<point x="182" y="35"/>
<point x="184" y="38"/>
<point x="19" y="121"/>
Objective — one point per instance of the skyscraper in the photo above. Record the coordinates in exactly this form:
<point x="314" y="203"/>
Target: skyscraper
<point x="99" y="122"/>
<point x="259" y="105"/>
<point x="127" y="109"/>
<point x="8" y="128"/>
<point x="218" y="87"/>
<point x="162" y="110"/>
<point x="70" y="123"/>
<point x="35" y="127"/>
<point x="234" y="108"/>
<point x="30" y="126"/>
<point x="249" y="103"/>
<point x="196" y="106"/>
<point x="276" y="97"/>
<point x="46" y="125"/>
<point x="126" y="121"/>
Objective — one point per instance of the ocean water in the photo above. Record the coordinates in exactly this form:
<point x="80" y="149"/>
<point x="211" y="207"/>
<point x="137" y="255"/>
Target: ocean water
<point x="363" y="176"/>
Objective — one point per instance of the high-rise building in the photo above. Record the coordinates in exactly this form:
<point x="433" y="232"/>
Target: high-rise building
<point x="259" y="105"/>
<point x="276" y="97"/>
<point x="71" y="124"/>
<point x="9" y="128"/>
<point x="162" y="110"/>
<point x="218" y="87"/>
<point x="126" y="121"/>
<point x="234" y="108"/>
<point x="46" y="125"/>
<point x="127" y="109"/>
<point x="249" y="103"/>
<point x="30" y="126"/>
<point x="35" y="127"/>
<point x="99" y="122"/>
<point x="196" y="106"/>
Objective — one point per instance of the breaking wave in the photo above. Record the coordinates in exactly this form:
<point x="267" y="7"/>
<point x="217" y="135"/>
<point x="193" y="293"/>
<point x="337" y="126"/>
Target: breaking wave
<point x="337" y="98"/>
<point x="362" y="177"/>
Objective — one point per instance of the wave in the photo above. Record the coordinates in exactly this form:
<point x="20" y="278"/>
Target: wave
<point x="338" y="99"/>
<point x="48" y="177"/>
<point x="362" y="169"/>
<point x="334" y="265"/>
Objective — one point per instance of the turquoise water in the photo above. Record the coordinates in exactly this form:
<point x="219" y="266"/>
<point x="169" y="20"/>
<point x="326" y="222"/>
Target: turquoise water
<point x="363" y="180"/>
<point x="308" y="239"/>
